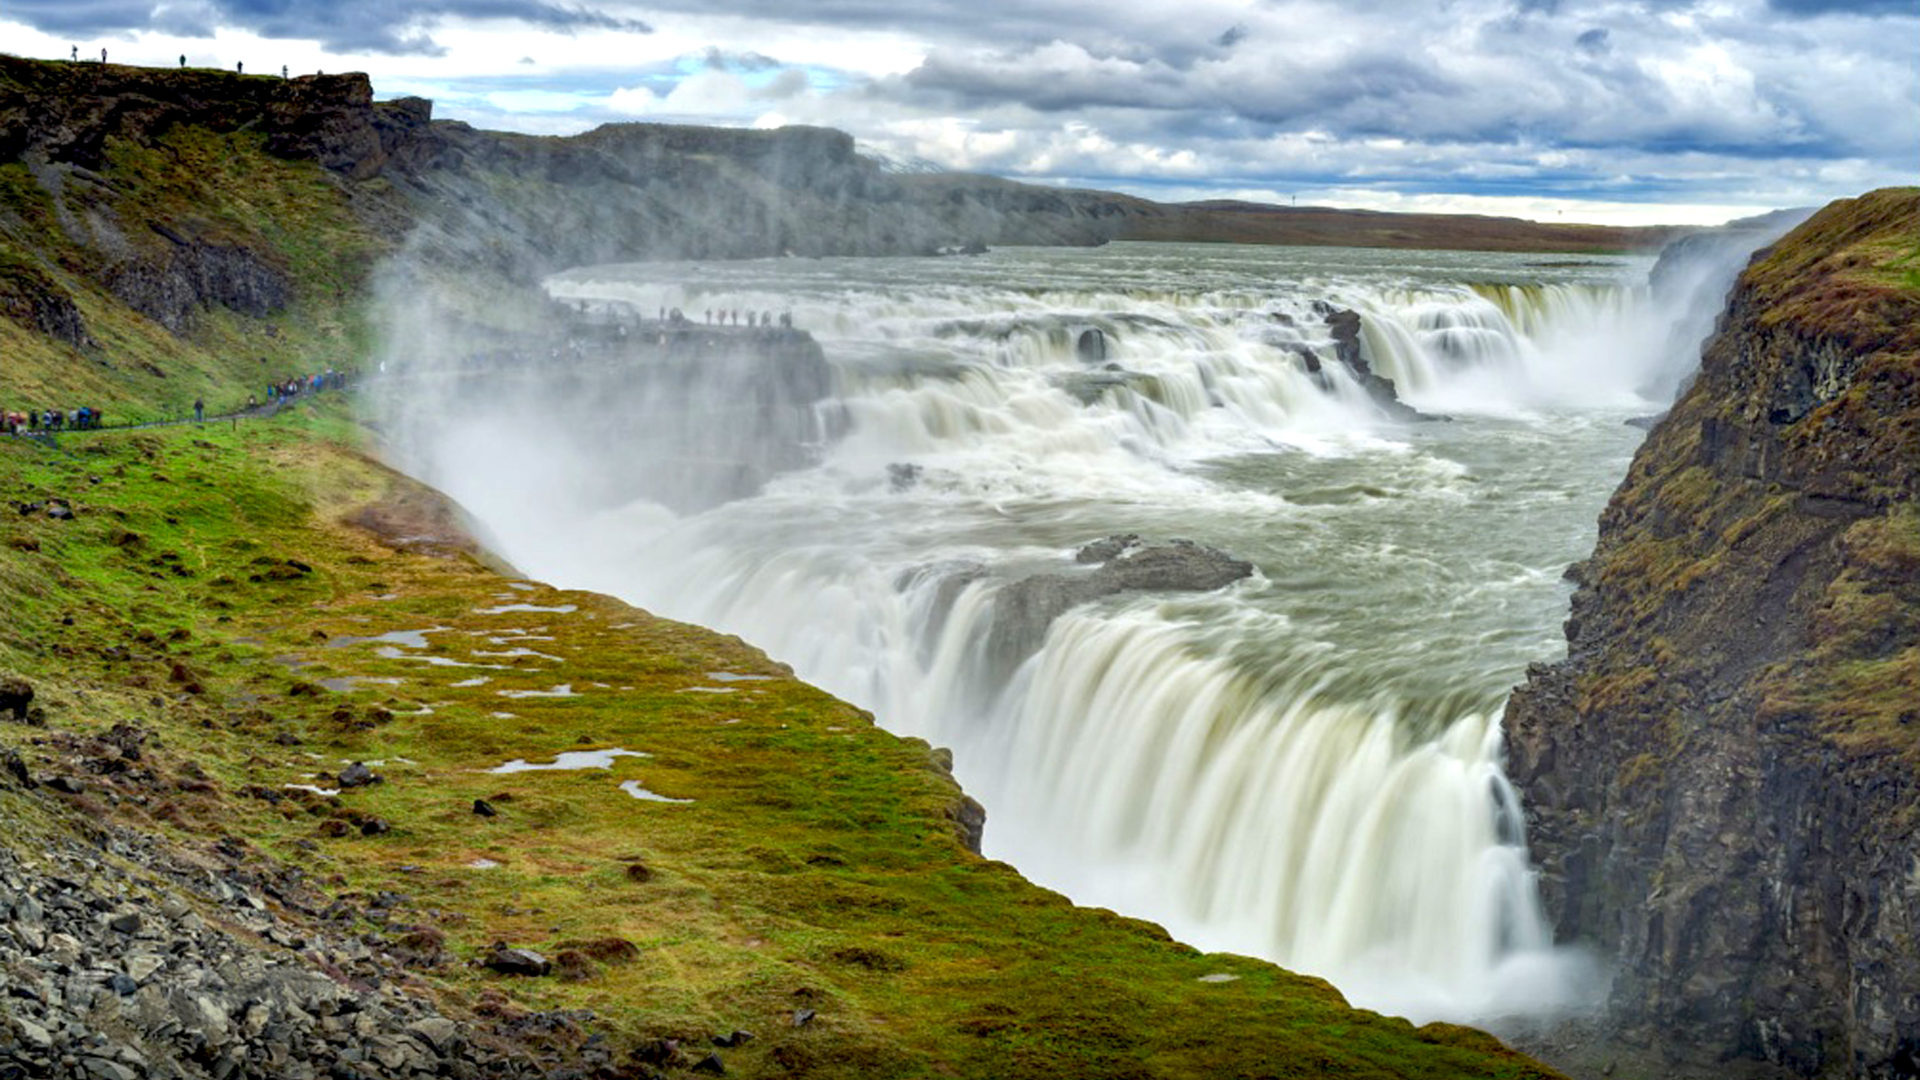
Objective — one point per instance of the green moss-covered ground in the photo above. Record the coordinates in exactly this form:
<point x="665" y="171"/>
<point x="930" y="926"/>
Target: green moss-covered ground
<point x="209" y="590"/>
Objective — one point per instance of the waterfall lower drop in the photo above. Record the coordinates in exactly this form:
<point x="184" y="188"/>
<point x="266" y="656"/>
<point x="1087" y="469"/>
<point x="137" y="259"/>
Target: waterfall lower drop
<point x="1316" y="832"/>
<point x="1304" y="766"/>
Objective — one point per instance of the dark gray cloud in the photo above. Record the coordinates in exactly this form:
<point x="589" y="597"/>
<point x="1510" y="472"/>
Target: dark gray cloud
<point x="386" y="27"/>
<point x="718" y="59"/>
<point x="81" y="17"/>
<point x="1467" y="95"/>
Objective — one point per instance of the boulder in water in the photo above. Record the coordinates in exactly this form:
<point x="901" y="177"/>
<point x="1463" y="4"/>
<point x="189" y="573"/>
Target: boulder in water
<point x="1091" y="345"/>
<point x="1106" y="549"/>
<point x="902" y="476"/>
<point x="1087" y="387"/>
<point x="1024" y="609"/>
<point x="1345" y="324"/>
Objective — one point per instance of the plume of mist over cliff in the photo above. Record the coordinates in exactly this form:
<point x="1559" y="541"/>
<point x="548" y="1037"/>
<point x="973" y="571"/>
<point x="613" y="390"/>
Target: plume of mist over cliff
<point x="1693" y="276"/>
<point x="538" y="414"/>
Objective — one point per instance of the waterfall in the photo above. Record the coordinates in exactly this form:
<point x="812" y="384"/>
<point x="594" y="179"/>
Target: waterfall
<point x="1304" y="766"/>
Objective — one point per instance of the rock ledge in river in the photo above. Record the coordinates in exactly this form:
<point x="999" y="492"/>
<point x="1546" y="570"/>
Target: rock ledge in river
<point x="1023" y="610"/>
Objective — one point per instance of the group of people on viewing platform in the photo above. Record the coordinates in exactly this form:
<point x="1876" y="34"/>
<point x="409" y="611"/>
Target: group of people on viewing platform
<point x="760" y="320"/>
<point x="764" y="319"/>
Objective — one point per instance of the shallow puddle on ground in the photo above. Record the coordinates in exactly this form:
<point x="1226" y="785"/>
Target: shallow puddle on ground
<point x="503" y="609"/>
<point x="570" y="759"/>
<point x="563" y="690"/>
<point x="517" y="652"/>
<point x="411" y="639"/>
<point x="388" y="652"/>
<point x="346" y="684"/>
<point x="633" y="788"/>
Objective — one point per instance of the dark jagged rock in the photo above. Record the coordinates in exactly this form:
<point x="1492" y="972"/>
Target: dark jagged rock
<point x="170" y="286"/>
<point x="1345" y="326"/>
<point x="14" y="768"/>
<point x="509" y="961"/>
<point x="358" y="775"/>
<point x="16" y="696"/>
<point x="1721" y="777"/>
<point x="970" y="818"/>
<point x="1087" y="387"/>
<point x="1091" y="346"/>
<point x="902" y="477"/>
<point x="31" y="298"/>
<point x="1106" y="549"/>
<point x="1024" y="609"/>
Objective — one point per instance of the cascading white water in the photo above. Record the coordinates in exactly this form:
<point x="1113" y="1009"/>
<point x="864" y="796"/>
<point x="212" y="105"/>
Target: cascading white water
<point x="1304" y="766"/>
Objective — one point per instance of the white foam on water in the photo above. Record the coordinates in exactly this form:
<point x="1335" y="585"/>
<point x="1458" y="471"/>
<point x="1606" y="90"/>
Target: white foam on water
<point x="1304" y="766"/>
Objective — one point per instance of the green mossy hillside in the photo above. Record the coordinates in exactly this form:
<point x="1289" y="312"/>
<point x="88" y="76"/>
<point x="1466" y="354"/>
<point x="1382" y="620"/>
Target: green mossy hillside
<point x="260" y="265"/>
<point x="210" y="592"/>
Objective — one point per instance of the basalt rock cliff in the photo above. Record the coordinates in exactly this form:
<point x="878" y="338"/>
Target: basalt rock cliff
<point x="1721" y="776"/>
<point x="529" y="205"/>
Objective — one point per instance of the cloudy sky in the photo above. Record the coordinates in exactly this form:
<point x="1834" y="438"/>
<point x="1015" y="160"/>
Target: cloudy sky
<point x="1588" y="110"/>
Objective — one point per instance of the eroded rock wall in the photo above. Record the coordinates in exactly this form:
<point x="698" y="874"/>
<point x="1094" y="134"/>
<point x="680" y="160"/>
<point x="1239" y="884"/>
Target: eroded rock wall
<point x="1721" y="777"/>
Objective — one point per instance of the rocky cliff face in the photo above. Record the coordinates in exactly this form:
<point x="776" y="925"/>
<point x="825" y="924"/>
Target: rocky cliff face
<point x="530" y="205"/>
<point x="489" y="202"/>
<point x="1721" y="776"/>
<point x="67" y="113"/>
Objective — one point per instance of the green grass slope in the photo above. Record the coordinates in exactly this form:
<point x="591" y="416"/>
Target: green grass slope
<point x="217" y="587"/>
<point x="76" y="244"/>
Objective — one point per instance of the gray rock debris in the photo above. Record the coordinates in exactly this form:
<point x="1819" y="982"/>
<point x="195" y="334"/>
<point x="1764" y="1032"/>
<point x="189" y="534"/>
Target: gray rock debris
<point x="156" y="991"/>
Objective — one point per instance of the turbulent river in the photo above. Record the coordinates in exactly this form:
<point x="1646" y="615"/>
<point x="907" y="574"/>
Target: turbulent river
<point x="1304" y="766"/>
